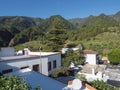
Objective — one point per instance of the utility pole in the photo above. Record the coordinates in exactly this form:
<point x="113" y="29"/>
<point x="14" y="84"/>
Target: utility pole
<point x="40" y="59"/>
<point x="41" y="41"/>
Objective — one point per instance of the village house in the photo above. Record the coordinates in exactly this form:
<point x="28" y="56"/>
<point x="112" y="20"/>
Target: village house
<point x="94" y="72"/>
<point x="66" y="48"/>
<point x="91" y="57"/>
<point x="34" y="67"/>
<point x="43" y="62"/>
<point x="105" y="60"/>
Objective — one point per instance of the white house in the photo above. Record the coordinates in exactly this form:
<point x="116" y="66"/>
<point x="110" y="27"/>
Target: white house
<point x="91" y="57"/>
<point x="43" y="62"/>
<point x="94" y="72"/>
<point x="66" y="48"/>
<point x="105" y="60"/>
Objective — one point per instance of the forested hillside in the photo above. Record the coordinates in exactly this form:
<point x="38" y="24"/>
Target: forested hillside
<point x="100" y="33"/>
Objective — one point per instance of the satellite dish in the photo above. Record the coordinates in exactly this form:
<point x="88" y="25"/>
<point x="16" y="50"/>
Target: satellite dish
<point x="76" y="84"/>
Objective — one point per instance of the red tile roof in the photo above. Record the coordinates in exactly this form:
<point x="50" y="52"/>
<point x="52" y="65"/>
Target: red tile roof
<point x="89" y="87"/>
<point x="90" y="52"/>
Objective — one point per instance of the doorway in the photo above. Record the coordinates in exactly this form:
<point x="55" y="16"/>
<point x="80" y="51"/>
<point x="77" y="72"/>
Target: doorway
<point x="36" y="67"/>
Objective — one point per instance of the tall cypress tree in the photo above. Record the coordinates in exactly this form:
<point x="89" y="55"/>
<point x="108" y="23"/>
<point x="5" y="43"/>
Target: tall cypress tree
<point x="55" y="39"/>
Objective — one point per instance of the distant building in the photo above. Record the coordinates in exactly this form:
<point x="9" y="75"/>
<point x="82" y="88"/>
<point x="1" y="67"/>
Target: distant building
<point x="105" y="60"/>
<point x="91" y="57"/>
<point x="43" y="62"/>
<point x="66" y="48"/>
<point x="94" y="72"/>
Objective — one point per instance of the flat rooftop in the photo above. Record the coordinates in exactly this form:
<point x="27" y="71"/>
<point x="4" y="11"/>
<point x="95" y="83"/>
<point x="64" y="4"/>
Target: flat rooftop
<point x="88" y="68"/>
<point x="30" y="55"/>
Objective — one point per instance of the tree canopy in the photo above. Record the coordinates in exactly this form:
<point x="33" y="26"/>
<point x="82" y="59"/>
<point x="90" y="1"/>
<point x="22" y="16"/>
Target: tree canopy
<point x="71" y="55"/>
<point x="101" y="33"/>
<point x="13" y="83"/>
<point x="55" y="39"/>
<point x="114" y="56"/>
<point x="101" y="85"/>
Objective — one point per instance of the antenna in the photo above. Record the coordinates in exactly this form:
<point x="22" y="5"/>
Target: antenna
<point x="76" y="84"/>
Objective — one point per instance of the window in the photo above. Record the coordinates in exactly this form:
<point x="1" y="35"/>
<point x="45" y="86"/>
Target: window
<point x="7" y="71"/>
<point x="54" y="64"/>
<point x="49" y="66"/>
<point x="24" y="67"/>
<point x="36" y="67"/>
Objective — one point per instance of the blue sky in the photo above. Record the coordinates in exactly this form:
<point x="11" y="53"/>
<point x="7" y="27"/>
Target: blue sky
<point x="66" y="8"/>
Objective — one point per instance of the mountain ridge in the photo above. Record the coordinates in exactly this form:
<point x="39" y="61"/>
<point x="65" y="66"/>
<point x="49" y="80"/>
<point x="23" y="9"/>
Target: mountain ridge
<point x="21" y="29"/>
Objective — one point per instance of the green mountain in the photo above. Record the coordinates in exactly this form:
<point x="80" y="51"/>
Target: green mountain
<point x="116" y="16"/>
<point x="56" y="22"/>
<point x="22" y="29"/>
<point x="17" y="30"/>
<point x="101" y="20"/>
<point x="19" y="22"/>
<point x="10" y="26"/>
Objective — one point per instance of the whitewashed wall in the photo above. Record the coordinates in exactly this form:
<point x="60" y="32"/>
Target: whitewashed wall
<point x="17" y="64"/>
<point x="64" y="50"/>
<point x="90" y="58"/>
<point x="56" y="57"/>
<point x="92" y="77"/>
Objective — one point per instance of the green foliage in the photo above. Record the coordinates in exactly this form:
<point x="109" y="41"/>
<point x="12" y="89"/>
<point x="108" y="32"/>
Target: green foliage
<point x="13" y="83"/>
<point x="71" y="55"/>
<point x="103" y="43"/>
<point x="116" y="16"/>
<point x="55" y="39"/>
<point x="101" y="33"/>
<point x="101" y="85"/>
<point x="81" y="77"/>
<point x="68" y="57"/>
<point x="56" y="22"/>
<point x="32" y="45"/>
<point x="38" y="88"/>
<point x="5" y="37"/>
<point x="96" y="21"/>
<point x="114" y="56"/>
<point x="55" y="73"/>
<point x="60" y="72"/>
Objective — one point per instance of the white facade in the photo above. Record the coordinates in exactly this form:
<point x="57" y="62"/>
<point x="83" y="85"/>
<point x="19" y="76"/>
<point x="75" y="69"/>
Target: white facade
<point x="33" y="61"/>
<point x="64" y="50"/>
<point x="90" y="59"/>
<point x="92" y="77"/>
